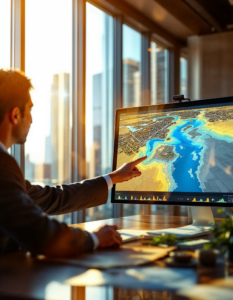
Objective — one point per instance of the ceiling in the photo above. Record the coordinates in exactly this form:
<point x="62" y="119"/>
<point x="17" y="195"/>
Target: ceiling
<point x="173" y="21"/>
<point x="183" y="18"/>
<point x="220" y="10"/>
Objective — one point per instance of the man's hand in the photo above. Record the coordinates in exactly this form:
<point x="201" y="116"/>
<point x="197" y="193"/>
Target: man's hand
<point x="108" y="236"/>
<point x="127" y="171"/>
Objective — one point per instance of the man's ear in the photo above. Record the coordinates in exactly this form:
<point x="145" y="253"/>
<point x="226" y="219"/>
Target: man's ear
<point x="15" y="115"/>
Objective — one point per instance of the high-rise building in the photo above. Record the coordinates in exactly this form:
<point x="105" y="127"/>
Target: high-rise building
<point x="29" y="169"/>
<point x="48" y="150"/>
<point x="129" y="69"/>
<point x="95" y="155"/>
<point x="43" y="173"/>
<point x="183" y="76"/>
<point x="137" y="88"/>
<point x="159" y="74"/>
<point x="60" y="129"/>
<point x="161" y="92"/>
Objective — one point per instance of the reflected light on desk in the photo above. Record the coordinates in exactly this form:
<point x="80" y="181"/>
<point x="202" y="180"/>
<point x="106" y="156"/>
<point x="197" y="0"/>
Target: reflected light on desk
<point x="58" y="291"/>
<point x="91" y="277"/>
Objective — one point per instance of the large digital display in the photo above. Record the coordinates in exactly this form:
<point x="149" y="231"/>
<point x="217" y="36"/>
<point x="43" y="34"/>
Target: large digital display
<point x="189" y="154"/>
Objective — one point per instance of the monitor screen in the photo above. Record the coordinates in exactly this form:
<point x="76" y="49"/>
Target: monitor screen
<point x="189" y="149"/>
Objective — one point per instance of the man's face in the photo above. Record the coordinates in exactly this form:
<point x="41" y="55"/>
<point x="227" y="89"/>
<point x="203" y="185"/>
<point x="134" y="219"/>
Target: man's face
<point x="21" y="130"/>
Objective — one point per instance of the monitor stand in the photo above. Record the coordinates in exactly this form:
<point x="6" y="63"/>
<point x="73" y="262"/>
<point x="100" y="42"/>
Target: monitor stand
<point x="200" y="216"/>
<point x="201" y="221"/>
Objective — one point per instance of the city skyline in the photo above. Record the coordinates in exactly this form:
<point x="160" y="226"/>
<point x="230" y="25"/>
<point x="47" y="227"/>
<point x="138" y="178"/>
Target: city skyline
<point x="56" y="167"/>
<point x="61" y="129"/>
<point x="131" y="83"/>
<point x="131" y="97"/>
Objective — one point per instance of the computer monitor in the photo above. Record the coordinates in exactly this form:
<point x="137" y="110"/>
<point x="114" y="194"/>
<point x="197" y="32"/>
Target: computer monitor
<point x="189" y="148"/>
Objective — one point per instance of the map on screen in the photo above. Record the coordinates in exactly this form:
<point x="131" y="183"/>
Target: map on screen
<point x="187" y="150"/>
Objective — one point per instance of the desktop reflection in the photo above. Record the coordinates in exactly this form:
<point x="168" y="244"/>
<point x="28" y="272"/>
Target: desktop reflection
<point x="110" y="293"/>
<point x="124" y="294"/>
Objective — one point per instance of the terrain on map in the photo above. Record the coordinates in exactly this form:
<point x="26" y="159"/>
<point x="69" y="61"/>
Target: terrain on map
<point x="187" y="150"/>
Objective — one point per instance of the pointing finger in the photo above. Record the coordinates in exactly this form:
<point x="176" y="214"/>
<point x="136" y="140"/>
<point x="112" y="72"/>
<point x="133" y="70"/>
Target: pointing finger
<point x="138" y="161"/>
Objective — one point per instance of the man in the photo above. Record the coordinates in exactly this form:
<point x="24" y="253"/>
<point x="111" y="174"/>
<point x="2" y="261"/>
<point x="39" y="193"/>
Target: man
<point x="24" y="207"/>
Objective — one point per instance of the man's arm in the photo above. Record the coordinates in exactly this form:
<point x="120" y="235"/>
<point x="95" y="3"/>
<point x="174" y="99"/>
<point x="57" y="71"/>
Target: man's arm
<point x="68" y="198"/>
<point x="25" y="222"/>
<point x="81" y="195"/>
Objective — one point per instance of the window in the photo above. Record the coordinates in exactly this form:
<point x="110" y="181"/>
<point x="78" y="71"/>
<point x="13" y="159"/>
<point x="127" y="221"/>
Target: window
<point x="99" y="100"/>
<point x="131" y="84"/>
<point x="183" y="76"/>
<point x="5" y="33"/>
<point x="48" y="63"/>
<point x="159" y="74"/>
<point x="131" y="67"/>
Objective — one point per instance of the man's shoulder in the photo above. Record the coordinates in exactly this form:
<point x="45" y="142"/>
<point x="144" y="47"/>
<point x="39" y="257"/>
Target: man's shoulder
<point x="9" y="166"/>
<point x="7" y="160"/>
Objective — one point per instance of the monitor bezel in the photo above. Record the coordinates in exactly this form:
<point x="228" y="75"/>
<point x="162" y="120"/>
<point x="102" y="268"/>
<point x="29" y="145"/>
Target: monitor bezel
<point x="148" y="108"/>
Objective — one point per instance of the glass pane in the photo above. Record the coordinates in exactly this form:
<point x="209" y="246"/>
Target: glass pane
<point x="131" y="85"/>
<point x="48" y="63"/>
<point x="159" y="74"/>
<point x="131" y="67"/>
<point x="5" y="33"/>
<point x="183" y="76"/>
<point x="99" y="100"/>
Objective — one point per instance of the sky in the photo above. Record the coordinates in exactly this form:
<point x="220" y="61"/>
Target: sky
<point x="131" y="44"/>
<point x="48" y="51"/>
<point x="5" y="33"/>
<point x="94" y="62"/>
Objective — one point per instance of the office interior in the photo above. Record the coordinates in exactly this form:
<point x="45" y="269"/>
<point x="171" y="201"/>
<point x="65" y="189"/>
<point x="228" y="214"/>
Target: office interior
<point x="88" y="58"/>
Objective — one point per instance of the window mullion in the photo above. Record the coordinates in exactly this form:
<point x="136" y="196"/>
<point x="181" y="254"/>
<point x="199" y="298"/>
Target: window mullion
<point x="145" y="69"/>
<point x="18" y="58"/>
<point x="78" y="97"/>
<point x="145" y="85"/>
<point x="117" y="211"/>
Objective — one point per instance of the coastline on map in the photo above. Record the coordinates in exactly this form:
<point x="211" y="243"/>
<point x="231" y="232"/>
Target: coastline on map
<point x="168" y="164"/>
<point x="217" y="131"/>
<point x="159" y="179"/>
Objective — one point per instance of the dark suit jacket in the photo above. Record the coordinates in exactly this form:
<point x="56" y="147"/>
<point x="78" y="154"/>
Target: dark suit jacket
<point x="24" y="207"/>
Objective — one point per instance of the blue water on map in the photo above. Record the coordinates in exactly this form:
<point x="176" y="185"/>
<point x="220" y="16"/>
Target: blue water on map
<point x="185" y="167"/>
<point x="131" y="128"/>
<point x="188" y="160"/>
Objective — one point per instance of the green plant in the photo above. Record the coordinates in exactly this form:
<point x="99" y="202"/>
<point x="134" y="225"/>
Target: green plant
<point x="166" y="239"/>
<point x="222" y="232"/>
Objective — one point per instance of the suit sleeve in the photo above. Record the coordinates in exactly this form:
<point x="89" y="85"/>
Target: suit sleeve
<point x="68" y="198"/>
<point x="26" y="223"/>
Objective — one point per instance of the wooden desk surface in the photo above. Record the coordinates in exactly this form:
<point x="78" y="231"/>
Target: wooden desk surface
<point x="24" y="277"/>
<point x="144" y="222"/>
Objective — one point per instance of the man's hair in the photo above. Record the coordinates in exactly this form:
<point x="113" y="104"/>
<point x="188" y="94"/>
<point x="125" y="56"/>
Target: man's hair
<point x="14" y="88"/>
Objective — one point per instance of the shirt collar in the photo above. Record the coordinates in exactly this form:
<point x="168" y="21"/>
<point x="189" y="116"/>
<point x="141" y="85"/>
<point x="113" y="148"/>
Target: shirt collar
<point x="3" y="147"/>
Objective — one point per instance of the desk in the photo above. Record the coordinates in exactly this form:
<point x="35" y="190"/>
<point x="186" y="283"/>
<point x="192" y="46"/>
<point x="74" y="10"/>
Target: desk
<point x="24" y="277"/>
